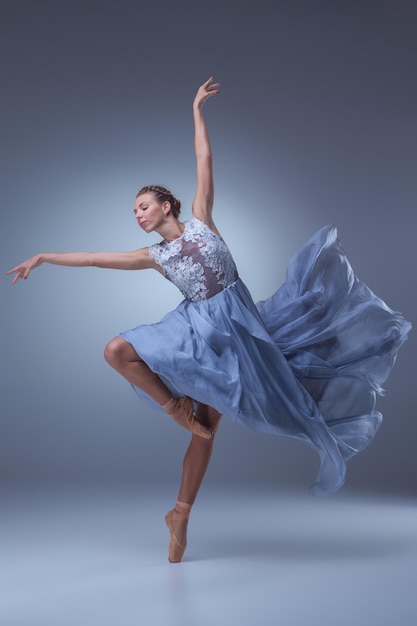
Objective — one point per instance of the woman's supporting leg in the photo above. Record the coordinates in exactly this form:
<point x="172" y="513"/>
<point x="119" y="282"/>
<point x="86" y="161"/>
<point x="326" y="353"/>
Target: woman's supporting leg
<point x="198" y="456"/>
<point x="195" y="464"/>
<point x="125" y="360"/>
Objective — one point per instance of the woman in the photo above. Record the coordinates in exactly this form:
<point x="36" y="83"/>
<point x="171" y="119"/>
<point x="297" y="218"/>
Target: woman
<point x="306" y="363"/>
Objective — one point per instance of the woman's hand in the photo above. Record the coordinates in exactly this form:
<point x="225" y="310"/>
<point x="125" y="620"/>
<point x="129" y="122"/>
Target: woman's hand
<point x="206" y="90"/>
<point x="23" y="270"/>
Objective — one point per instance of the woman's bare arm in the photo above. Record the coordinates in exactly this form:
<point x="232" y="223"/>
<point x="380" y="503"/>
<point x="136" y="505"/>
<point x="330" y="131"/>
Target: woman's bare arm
<point x="204" y="197"/>
<point x="133" y="260"/>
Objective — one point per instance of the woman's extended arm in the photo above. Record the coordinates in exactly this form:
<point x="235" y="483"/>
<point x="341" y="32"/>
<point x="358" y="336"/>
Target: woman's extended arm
<point x="133" y="260"/>
<point x="204" y="197"/>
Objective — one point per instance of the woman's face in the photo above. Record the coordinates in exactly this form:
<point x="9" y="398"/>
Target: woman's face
<point x="149" y="212"/>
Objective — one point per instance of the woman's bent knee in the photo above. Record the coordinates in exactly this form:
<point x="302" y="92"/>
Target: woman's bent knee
<point x="118" y="350"/>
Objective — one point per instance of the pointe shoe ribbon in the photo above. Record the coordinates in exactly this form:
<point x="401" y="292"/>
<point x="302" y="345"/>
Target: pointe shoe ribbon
<point x="181" y="410"/>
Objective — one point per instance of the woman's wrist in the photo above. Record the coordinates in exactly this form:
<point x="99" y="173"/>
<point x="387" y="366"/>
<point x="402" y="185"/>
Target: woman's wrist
<point x="197" y="106"/>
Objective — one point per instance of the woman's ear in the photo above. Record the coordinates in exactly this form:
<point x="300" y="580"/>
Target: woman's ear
<point x="166" y="207"/>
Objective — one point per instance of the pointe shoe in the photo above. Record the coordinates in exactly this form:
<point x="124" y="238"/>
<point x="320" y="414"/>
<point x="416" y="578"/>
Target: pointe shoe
<point x="176" y="549"/>
<point x="181" y="410"/>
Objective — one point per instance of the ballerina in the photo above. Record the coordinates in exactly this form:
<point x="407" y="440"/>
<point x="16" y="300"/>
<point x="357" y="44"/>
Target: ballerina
<point x="305" y="363"/>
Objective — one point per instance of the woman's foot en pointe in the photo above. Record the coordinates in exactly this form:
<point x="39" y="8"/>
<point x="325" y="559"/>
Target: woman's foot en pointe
<point x="177" y="521"/>
<point x="181" y="410"/>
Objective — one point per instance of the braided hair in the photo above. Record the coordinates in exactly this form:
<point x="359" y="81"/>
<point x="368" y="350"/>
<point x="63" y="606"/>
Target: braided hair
<point x="162" y="195"/>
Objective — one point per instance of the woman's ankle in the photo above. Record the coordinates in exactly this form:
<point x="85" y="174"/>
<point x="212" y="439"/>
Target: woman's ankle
<point x="183" y="508"/>
<point x="170" y="405"/>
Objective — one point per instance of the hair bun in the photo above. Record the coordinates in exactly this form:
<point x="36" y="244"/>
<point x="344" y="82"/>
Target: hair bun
<point x="162" y="194"/>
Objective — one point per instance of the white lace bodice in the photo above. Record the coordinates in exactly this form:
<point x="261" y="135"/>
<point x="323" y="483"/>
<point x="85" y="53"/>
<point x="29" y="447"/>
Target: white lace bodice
<point x="199" y="262"/>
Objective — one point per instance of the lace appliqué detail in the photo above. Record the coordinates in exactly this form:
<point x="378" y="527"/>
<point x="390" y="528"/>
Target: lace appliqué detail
<point x="199" y="262"/>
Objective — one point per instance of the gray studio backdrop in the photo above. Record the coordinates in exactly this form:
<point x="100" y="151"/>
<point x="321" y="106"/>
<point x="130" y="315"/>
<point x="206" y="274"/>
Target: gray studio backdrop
<point x="315" y="124"/>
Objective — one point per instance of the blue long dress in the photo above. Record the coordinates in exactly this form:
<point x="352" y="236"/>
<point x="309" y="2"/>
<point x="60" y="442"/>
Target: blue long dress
<point x="305" y="363"/>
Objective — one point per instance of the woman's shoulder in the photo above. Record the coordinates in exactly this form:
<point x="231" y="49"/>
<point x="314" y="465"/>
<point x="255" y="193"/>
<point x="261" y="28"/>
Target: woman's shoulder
<point x="201" y="225"/>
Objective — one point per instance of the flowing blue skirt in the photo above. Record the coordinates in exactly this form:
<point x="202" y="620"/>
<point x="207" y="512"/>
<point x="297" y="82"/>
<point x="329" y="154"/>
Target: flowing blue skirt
<point x="305" y="363"/>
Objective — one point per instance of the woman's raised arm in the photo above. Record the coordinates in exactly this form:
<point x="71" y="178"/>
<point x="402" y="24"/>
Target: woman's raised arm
<point x="133" y="260"/>
<point x="204" y="197"/>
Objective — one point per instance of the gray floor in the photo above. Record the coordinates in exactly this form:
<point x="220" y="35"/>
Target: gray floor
<point x="91" y="557"/>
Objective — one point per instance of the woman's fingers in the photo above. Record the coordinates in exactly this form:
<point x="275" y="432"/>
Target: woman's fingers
<point x="206" y="90"/>
<point x="16" y="277"/>
<point x="19" y="274"/>
<point x="20" y="271"/>
<point x="209" y="86"/>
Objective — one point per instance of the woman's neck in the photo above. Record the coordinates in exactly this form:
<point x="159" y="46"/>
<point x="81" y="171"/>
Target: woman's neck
<point x="171" y="230"/>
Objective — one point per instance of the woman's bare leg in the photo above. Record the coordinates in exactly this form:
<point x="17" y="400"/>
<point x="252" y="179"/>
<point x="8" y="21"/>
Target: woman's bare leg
<point x="124" y="359"/>
<point x="195" y="464"/>
<point x="198" y="456"/>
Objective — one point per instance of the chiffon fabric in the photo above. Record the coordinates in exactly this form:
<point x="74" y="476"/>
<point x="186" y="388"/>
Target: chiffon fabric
<point x="306" y="363"/>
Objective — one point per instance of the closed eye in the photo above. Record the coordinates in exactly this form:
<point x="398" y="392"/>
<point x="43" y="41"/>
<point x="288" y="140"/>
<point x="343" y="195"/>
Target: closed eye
<point x="142" y="208"/>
